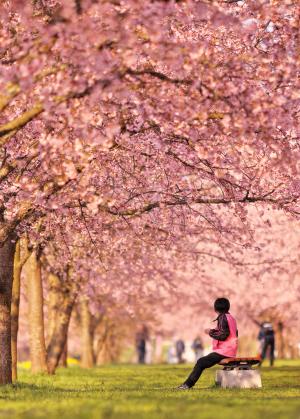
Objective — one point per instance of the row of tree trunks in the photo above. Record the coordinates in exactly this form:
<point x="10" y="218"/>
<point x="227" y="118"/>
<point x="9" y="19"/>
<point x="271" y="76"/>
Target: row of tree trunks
<point x="11" y="264"/>
<point x="61" y="302"/>
<point x="60" y="308"/>
<point x="7" y="252"/>
<point x="100" y="339"/>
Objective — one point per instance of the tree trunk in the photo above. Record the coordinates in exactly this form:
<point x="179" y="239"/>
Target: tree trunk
<point x="54" y="301"/>
<point x="15" y="304"/>
<point x="56" y="298"/>
<point x="294" y="351"/>
<point x="36" y="314"/>
<point x="101" y="346"/>
<point x="6" y="279"/>
<point x="107" y="350"/>
<point x="63" y="362"/>
<point x="280" y="342"/>
<point x="100" y="357"/>
<point x="58" y="339"/>
<point x="87" y="355"/>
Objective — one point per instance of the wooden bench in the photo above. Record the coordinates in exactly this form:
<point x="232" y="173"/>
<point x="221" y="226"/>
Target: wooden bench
<point x="238" y="373"/>
<point x="239" y="363"/>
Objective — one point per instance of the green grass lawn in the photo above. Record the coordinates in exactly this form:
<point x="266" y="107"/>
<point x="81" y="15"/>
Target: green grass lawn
<point x="145" y="392"/>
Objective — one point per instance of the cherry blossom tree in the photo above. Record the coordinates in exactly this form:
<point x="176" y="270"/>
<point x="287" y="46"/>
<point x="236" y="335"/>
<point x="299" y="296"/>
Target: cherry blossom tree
<point x="172" y="118"/>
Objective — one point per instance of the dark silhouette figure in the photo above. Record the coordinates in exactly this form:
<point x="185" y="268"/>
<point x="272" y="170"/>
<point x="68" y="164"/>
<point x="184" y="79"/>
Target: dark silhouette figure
<point x="140" y="344"/>
<point x="180" y="348"/>
<point x="267" y="336"/>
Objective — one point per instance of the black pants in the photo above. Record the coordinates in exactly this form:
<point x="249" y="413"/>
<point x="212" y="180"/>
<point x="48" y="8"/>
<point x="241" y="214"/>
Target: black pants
<point x="268" y="344"/>
<point x="205" y="362"/>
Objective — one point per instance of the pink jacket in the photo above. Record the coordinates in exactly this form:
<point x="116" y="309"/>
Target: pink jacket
<point x="229" y="346"/>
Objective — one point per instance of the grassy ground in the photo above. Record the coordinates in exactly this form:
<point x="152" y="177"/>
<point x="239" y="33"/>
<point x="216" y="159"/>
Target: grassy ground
<point x="145" y="392"/>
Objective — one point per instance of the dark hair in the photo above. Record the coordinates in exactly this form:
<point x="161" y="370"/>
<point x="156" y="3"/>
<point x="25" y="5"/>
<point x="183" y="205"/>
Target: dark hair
<point x="222" y="305"/>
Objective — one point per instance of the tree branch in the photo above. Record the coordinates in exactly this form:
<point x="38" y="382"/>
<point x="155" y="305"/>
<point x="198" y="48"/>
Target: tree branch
<point x="9" y="129"/>
<point x="184" y="201"/>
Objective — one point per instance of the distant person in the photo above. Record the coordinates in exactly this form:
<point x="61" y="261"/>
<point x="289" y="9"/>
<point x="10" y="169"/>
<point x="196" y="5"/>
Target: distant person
<point x="225" y="342"/>
<point x="140" y="344"/>
<point x="268" y="342"/>
<point x="197" y="347"/>
<point x="180" y="348"/>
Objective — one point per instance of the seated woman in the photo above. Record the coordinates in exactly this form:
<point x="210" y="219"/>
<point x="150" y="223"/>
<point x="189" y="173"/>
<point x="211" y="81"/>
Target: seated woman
<point x="225" y="343"/>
